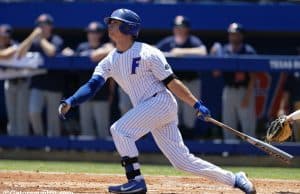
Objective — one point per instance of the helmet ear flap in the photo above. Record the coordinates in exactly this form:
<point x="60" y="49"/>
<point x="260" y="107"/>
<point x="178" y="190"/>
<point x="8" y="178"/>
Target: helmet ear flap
<point x="131" y="22"/>
<point x="125" y="28"/>
<point x="129" y="29"/>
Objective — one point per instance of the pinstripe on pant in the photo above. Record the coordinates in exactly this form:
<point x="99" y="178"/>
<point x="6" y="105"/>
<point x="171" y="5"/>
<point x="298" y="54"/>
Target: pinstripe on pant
<point x="159" y="115"/>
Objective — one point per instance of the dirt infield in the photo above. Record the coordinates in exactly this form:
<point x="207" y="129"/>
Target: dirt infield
<point x="18" y="182"/>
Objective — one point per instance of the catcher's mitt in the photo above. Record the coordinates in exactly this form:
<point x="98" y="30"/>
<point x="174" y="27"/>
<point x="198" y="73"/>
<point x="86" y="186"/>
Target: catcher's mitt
<point x="279" y="130"/>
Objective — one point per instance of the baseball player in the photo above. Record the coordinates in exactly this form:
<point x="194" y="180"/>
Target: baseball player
<point x="144" y="74"/>
<point x="17" y="88"/>
<point x="183" y="43"/>
<point x="45" y="93"/>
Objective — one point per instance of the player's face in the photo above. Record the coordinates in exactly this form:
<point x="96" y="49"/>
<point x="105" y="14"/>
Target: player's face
<point x="181" y="31"/>
<point x="46" y="29"/>
<point x="181" y="34"/>
<point x="113" y="30"/>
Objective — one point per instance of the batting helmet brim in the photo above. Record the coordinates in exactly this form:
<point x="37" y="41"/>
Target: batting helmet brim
<point x="107" y="19"/>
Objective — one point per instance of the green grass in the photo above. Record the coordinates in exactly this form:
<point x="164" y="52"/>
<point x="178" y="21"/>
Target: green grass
<point x="105" y="168"/>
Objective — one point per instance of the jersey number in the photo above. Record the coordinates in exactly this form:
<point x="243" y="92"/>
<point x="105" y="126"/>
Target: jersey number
<point x="135" y="64"/>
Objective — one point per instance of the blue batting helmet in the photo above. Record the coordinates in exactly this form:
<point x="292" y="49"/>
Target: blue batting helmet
<point x="131" y="22"/>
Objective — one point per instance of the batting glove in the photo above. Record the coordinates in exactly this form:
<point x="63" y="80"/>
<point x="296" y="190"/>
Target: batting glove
<point x="202" y="111"/>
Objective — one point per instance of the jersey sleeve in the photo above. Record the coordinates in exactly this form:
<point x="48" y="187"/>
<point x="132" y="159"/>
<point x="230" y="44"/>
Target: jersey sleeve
<point x="159" y="65"/>
<point x="103" y="68"/>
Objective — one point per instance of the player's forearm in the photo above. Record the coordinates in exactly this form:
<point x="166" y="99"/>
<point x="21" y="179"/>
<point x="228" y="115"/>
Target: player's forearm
<point x="182" y="92"/>
<point x="8" y="52"/>
<point x="283" y="104"/>
<point x="48" y="48"/>
<point x="24" y="47"/>
<point x="294" y="116"/>
<point x="86" y="91"/>
<point x="26" y="44"/>
<point x="201" y="51"/>
<point x="197" y="51"/>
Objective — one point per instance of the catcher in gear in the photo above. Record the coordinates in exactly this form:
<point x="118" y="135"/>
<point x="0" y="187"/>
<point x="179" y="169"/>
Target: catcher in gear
<point x="280" y="129"/>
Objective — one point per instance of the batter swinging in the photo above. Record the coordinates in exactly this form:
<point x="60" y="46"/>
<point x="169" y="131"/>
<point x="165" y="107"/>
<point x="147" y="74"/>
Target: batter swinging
<point x="144" y="74"/>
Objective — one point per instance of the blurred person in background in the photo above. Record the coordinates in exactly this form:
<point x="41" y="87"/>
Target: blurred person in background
<point x="16" y="89"/>
<point x="238" y="98"/>
<point x="46" y="89"/>
<point x="94" y="115"/>
<point x="14" y="50"/>
<point x="180" y="44"/>
<point x="7" y="44"/>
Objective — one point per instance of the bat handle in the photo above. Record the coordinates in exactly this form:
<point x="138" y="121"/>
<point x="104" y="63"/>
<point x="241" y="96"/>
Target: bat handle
<point x="212" y="120"/>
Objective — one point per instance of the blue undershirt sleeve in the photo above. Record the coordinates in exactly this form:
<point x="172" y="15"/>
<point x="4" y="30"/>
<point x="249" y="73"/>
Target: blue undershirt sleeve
<point x="86" y="91"/>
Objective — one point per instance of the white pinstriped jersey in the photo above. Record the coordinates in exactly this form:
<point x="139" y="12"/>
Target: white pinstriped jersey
<point x="139" y="70"/>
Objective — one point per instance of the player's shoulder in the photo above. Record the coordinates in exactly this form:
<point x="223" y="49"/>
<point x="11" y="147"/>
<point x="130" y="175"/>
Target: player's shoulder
<point x="108" y="60"/>
<point x="112" y="53"/>
<point x="195" y="41"/>
<point x="57" y="38"/>
<point x="149" y="50"/>
<point x="146" y="46"/>
<point x="194" y="38"/>
<point x="168" y="39"/>
<point x="83" y="46"/>
<point x="249" y="49"/>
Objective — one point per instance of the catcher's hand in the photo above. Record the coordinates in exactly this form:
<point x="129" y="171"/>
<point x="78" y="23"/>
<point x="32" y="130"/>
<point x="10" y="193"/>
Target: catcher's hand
<point x="279" y="130"/>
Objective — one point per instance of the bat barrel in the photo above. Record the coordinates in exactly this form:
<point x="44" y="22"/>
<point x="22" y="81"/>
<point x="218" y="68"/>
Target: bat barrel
<point x="271" y="150"/>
